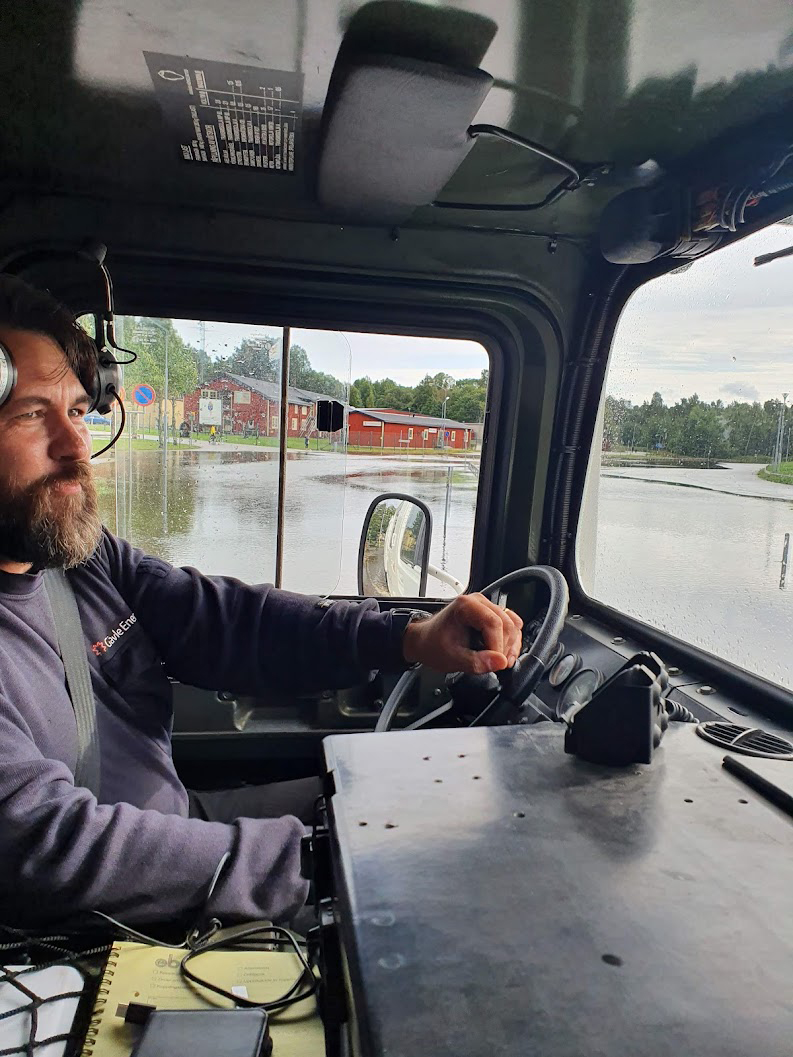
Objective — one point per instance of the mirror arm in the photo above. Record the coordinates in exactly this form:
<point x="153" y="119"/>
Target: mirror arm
<point x="445" y="578"/>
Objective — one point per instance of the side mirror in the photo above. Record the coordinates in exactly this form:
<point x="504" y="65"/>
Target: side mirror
<point x="394" y="554"/>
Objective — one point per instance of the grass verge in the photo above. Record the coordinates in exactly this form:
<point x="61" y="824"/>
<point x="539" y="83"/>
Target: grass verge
<point x="782" y="475"/>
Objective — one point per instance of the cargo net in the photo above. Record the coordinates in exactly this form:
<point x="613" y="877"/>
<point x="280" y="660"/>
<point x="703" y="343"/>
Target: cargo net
<point x="29" y="954"/>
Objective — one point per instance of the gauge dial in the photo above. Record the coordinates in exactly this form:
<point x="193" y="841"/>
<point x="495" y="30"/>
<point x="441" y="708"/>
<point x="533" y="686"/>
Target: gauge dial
<point x="579" y="690"/>
<point x="563" y="669"/>
<point x="555" y="656"/>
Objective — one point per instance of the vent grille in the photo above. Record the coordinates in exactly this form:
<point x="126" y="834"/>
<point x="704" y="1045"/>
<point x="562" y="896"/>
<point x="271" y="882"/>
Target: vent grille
<point x="751" y="741"/>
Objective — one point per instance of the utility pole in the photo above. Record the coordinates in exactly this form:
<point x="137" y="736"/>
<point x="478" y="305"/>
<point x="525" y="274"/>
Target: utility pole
<point x="164" y="327"/>
<point x="780" y="432"/>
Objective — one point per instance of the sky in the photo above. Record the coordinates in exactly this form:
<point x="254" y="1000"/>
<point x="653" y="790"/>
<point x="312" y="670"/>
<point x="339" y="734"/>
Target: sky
<point x="722" y="329"/>
<point x="348" y="356"/>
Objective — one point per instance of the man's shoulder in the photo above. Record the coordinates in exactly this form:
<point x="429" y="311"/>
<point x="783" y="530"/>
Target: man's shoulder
<point x="118" y="559"/>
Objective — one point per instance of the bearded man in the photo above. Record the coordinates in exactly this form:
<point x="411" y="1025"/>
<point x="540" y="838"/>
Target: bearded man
<point x="139" y="846"/>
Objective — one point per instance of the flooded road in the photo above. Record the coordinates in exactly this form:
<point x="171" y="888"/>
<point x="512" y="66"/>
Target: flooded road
<point x="695" y="552"/>
<point x="680" y="550"/>
<point x="221" y="510"/>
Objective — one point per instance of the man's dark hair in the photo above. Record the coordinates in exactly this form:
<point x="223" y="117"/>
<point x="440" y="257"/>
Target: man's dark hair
<point x="23" y="307"/>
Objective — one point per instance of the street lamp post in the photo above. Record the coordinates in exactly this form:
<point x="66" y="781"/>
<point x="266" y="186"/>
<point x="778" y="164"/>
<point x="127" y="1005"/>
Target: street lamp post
<point x="160" y="325"/>
<point x="443" y="422"/>
<point x="780" y="433"/>
<point x="164" y="423"/>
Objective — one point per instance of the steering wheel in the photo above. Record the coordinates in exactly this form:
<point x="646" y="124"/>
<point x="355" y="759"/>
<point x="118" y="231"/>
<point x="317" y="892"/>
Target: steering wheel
<point x="518" y="682"/>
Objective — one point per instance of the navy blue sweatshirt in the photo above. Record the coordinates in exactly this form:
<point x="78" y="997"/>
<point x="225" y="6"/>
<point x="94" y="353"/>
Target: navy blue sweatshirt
<point x="133" y="852"/>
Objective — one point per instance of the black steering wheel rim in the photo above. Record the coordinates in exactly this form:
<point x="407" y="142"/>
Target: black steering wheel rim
<point x="520" y="680"/>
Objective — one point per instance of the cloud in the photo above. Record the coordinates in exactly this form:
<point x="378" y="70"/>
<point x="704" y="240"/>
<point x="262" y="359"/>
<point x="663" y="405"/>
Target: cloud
<point x="741" y="390"/>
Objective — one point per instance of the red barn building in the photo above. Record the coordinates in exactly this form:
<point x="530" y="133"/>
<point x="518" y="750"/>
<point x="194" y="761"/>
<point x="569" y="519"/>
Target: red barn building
<point x="385" y="428"/>
<point x="235" y="404"/>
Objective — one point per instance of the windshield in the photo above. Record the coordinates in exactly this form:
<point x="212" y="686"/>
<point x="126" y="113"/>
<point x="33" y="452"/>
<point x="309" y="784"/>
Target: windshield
<point x="689" y="506"/>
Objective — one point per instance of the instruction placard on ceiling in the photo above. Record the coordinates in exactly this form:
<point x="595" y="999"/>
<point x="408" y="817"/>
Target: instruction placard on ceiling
<point x="225" y="114"/>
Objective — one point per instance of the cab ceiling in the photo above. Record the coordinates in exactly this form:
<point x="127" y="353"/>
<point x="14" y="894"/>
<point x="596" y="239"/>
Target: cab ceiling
<point x="596" y="80"/>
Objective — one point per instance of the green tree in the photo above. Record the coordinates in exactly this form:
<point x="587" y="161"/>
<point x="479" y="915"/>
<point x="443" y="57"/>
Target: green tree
<point x="148" y="339"/>
<point x="365" y="391"/>
<point x="299" y="366"/>
<point x="388" y="394"/>
<point x="430" y="393"/>
<point x="355" y="396"/>
<point x="253" y="358"/>
<point x="466" y="403"/>
<point x="614" y="421"/>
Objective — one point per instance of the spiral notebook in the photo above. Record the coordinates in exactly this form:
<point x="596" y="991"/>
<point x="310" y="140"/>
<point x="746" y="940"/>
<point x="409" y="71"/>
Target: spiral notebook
<point x="150" y="975"/>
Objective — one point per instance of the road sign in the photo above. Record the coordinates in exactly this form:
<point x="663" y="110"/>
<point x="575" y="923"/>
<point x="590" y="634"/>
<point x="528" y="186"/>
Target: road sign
<point x="447" y="433"/>
<point x="144" y="394"/>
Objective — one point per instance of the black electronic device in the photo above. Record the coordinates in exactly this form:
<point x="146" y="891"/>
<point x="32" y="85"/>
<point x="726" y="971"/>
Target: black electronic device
<point x="205" y="1033"/>
<point x="622" y="722"/>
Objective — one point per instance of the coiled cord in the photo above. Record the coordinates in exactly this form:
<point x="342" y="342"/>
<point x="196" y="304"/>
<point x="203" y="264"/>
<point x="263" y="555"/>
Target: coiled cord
<point x="678" y="713"/>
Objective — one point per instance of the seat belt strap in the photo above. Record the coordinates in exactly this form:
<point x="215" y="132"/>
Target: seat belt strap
<point x="71" y="645"/>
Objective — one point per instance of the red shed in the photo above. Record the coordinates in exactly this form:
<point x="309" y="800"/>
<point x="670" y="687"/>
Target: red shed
<point x="378" y="428"/>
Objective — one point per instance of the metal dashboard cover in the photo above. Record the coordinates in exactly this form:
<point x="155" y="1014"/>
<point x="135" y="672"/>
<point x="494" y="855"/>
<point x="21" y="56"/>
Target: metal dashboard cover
<point x="497" y="896"/>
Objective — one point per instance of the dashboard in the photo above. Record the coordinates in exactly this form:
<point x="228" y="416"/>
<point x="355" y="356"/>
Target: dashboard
<point x="589" y="653"/>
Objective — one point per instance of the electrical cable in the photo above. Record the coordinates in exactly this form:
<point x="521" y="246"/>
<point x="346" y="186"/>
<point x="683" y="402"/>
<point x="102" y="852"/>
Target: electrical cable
<point x="520" y="141"/>
<point x="107" y="447"/>
<point x="275" y="934"/>
<point x="395" y="699"/>
<point x="129" y="931"/>
<point x="678" y="713"/>
<point x="95" y="252"/>
<point x="570" y="183"/>
<point x="553" y="195"/>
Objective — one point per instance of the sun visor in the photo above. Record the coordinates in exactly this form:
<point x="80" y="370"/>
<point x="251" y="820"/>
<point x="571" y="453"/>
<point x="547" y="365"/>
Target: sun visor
<point x="396" y="129"/>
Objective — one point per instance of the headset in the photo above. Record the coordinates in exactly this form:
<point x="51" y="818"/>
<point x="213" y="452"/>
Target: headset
<point x="106" y="383"/>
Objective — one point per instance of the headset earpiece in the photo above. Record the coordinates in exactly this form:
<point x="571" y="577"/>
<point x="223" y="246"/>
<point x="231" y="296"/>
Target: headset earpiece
<point x="8" y="374"/>
<point x="107" y="383"/>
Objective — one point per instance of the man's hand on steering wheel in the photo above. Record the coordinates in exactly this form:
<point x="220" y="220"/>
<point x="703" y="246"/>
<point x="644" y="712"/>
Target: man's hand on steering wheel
<point x="444" y="642"/>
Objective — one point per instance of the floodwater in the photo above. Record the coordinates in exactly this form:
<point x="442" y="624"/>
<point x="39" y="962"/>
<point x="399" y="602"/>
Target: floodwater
<point x="696" y="552"/>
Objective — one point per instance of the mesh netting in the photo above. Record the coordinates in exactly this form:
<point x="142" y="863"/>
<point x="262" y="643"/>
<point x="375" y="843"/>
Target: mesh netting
<point x="42" y="952"/>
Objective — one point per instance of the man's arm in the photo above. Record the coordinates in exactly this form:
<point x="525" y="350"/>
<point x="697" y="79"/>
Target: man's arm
<point x="62" y="853"/>
<point x="219" y="633"/>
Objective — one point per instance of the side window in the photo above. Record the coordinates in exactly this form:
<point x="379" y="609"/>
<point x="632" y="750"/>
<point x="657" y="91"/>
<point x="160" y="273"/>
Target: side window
<point x="688" y="512"/>
<point x="195" y="477"/>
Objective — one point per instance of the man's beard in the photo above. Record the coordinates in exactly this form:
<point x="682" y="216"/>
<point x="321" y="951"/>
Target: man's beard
<point x="43" y="527"/>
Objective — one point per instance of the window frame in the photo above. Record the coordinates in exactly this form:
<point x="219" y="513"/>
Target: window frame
<point x="515" y="323"/>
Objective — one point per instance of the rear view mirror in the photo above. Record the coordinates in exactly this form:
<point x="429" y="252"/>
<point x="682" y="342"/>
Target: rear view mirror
<point x="394" y="554"/>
